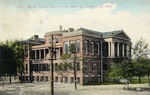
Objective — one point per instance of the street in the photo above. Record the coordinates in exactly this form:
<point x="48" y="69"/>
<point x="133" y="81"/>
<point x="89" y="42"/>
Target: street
<point x="43" y="88"/>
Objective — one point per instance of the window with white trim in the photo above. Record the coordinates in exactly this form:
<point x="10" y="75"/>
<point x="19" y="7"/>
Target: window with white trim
<point x="97" y="48"/>
<point x="72" y="43"/>
<point x="56" y="40"/>
<point x="78" y="66"/>
<point x="92" y="48"/>
<point x="85" y="47"/>
<point x="66" y="48"/>
<point x="77" y="46"/>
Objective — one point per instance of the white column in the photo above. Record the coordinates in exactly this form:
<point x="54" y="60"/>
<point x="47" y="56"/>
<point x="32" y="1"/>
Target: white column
<point x="127" y="50"/>
<point x="118" y="49"/>
<point x="108" y="49"/>
<point x="39" y="54"/>
<point x="29" y="62"/>
<point x="123" y="50"/>
<point x="112" y="49"/>
<point x="44" y="54"/>
<point x="35" y="55"/>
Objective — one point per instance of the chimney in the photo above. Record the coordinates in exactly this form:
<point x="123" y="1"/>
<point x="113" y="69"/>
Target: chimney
<point x="36" y="38"/>
<point x="70" y="29"/>
<point x="60" y="27"/>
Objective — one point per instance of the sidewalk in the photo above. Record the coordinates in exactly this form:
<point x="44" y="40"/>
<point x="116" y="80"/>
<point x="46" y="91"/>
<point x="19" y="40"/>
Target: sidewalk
<point x="43" y="88"/>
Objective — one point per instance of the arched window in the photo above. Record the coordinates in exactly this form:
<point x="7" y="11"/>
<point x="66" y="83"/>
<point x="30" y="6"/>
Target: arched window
<point x="72" y="47"/>
<point x="66" y="48"/>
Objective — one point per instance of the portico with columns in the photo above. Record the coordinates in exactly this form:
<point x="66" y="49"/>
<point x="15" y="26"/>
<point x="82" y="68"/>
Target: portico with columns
<point x="118" y="47"/>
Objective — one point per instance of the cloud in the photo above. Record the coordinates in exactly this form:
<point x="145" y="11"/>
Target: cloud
<point x="106" y="17"/>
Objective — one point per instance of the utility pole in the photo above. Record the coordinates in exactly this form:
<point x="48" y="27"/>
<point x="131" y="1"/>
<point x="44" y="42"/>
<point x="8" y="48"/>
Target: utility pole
<point x="51" y="68"/>
<point x="29" y="64"/>
<point x="101" y="59"/>
<point x="75" y="79"/>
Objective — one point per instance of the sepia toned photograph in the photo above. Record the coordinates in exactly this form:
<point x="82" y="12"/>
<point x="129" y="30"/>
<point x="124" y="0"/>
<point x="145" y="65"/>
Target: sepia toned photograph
<point x="74" y="47"/>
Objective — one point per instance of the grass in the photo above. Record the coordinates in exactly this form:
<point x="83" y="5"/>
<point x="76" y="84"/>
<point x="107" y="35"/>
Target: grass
<point x="103" y="83"/>
<point x="144" y="80"/>
<point x="136" y="80"/>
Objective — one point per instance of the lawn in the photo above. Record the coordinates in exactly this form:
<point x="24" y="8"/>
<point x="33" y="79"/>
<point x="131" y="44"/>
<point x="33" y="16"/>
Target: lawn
<point x="136" y="80"/>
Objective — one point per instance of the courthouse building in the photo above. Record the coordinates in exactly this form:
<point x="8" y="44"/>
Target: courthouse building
<point x="96" y="51"/>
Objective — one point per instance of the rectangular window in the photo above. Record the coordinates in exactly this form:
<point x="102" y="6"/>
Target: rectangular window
<point x="56" y="40"/>
<point x="42" y="53"/>
<point x="98" y="68"/>
<point x="92" y="66"/>
<point x="85" y="47"/>
<point x="92" y="47"/>
<point x="46" y="52"/>
<point x="48" y="67"/>
<point x="37" y="54"/>
<point x="70" y="66"/>
<point x="61" y="51"/>
<point x="78" y="66"/>
<point x="97" y="48"/>
<point x="33" y="54"/>
<point x="105" y="49"/>
<point x="77" y="46"/>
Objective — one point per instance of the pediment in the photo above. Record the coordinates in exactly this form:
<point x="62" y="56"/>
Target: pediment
<point x="122" y="35"/>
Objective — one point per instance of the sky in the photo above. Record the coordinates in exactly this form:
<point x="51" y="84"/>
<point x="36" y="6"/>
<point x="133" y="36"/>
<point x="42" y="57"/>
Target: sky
<point x="21" y="19"/>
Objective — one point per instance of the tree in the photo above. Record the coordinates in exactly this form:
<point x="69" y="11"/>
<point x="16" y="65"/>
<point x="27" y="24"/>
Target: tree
<point x="66" y="67"/>
<point x="68" y="59"/>
<point x="7" y="59"/>
<point x="3" y="59"/>
<point x="19" y="56"/>
<point x="139" y="68"/>
<point x="72" y="49"/>
<point x="146" y="67"/>
<point x="140" y="49"/>
<point x="11" y="58"/>
<point x="140" y="55"/>
<point x="122" y="70"/>
<point x="62" y="69"/>
<point x="148" y="70"/>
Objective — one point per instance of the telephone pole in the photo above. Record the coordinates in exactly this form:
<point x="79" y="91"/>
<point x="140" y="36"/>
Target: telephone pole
<point x="74" y="66"/>
<point x="101" y="65"/>
<point x="51" y="67"/>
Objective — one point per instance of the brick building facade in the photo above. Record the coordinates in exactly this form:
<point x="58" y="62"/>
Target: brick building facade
<point x="96" y="51"/>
